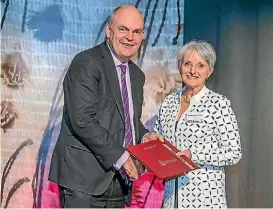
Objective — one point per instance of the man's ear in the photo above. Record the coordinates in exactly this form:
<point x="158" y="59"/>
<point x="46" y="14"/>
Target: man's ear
<point x="107" y="30"/>
<point x="143" y="35"/>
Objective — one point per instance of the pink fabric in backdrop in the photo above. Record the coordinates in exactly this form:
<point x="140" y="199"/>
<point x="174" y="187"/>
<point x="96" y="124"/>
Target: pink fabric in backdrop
<point x="51" y="198"/>
<point x="140" y="190"/>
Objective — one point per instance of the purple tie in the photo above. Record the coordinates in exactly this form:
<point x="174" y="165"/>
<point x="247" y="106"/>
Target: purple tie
<point x="128" y="139"/>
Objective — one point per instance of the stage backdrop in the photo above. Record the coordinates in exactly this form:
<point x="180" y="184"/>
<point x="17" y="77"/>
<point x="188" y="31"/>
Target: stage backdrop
<point x="242" y="33"/>
<point x="38" y="40"/>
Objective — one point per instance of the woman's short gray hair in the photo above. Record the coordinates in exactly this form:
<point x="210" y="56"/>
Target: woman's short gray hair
<point x="202" y="48"/>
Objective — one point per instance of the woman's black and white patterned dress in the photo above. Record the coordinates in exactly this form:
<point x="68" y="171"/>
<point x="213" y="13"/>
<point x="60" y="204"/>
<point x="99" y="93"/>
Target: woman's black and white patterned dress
<point x="209" y="129"/>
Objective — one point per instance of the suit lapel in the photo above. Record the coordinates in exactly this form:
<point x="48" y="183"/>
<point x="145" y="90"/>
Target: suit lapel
<point x="112" y="77"/>
<point x="135" y="94"/>
<point x="134" y="87"/>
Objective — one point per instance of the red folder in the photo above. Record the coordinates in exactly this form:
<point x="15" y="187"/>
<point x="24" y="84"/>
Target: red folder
<point x="160" y="158"/>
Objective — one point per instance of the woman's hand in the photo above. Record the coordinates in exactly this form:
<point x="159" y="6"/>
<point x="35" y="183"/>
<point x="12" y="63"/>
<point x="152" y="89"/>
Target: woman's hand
<point x="186" y="153"/>
<point x="153" y="136"/>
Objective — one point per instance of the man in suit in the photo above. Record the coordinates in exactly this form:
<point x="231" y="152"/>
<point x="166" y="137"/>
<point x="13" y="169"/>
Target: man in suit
<point x="103" y="95"/>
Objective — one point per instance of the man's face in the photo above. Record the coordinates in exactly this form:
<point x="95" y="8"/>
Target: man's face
<point x="125" y="34"/>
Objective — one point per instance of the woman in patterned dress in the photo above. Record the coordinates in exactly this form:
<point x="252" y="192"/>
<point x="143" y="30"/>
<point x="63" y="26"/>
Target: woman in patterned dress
<point x="202" y="124"/>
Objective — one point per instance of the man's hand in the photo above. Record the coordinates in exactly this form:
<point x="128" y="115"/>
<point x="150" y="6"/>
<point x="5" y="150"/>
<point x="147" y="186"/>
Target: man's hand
<point x="186" y="153"/>
<point x="153" y="136"/>
<point x="130" y="168"/>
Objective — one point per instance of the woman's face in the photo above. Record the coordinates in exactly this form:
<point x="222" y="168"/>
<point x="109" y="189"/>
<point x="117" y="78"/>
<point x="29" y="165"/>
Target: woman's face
<point x="194" y="70"/>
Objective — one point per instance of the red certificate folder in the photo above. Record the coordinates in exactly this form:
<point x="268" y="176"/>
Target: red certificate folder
<point x="160" y="158"/>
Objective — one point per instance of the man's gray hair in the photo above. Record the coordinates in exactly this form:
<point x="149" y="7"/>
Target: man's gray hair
<point x="202" y="48"/>
<point x="110" y="18"/>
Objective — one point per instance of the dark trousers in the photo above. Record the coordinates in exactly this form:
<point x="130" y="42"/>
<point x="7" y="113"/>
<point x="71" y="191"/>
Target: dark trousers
<point x="112" y="198"/>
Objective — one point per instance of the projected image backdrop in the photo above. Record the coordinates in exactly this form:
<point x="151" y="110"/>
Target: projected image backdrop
<point x="38" y="41"/>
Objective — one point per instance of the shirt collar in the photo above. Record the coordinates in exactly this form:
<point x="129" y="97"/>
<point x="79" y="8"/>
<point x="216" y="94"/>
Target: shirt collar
<point x="116" y="60"/>
<point x="196" y="97"/>
<point x="200" y="94"/>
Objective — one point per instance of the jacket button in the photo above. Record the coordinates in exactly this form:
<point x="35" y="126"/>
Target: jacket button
<point x="99" y="158"/>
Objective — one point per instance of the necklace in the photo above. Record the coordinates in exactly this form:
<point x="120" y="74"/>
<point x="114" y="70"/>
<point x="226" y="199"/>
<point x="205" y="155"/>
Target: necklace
<point x="186" y="98"/>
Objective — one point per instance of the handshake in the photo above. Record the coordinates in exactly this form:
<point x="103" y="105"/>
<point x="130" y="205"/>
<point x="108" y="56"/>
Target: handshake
<point x="131" y="169"/>
<point x="159" y="156"/>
